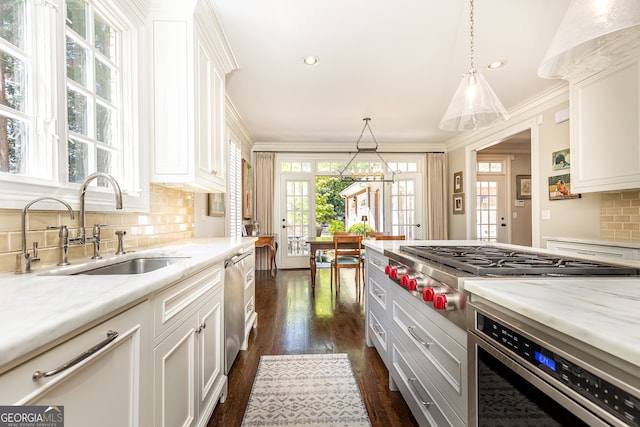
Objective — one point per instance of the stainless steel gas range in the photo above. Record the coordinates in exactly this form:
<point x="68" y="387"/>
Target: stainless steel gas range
<point x="551" y="381"/>
<point x="436" y="274"/>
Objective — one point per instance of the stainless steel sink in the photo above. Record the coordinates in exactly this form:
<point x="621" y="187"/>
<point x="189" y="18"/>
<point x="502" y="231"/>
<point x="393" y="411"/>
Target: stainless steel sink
<point x="133" y="266"/>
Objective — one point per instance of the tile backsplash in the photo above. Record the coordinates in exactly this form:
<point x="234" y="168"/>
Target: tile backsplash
<point x="620" y="216"/>
<point x="170" y="219"/>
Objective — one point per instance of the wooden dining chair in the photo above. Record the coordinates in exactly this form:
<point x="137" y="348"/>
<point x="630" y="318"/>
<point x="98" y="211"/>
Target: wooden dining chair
<point x="347" y="254"/>
<point x="374" y="234"/>
<point x="390" y="237"/>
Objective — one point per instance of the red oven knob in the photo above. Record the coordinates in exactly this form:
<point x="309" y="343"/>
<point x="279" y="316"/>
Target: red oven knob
<point x="387" y="269"/>
<point x="440" y="301"/>
<point x="404" y="280"/>
<point x="428" y="293"/>
<point x="393" y="273"/>
<point x="412" y="284"/>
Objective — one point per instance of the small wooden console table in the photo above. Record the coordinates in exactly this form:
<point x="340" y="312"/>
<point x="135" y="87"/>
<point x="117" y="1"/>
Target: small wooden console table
<point x="269" y="240"/>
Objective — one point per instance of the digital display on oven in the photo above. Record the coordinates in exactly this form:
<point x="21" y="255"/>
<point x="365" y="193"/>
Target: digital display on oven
<point x="549" y="363"/>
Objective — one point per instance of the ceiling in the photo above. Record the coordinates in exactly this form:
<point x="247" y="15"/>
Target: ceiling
<point x="398" y="62"/>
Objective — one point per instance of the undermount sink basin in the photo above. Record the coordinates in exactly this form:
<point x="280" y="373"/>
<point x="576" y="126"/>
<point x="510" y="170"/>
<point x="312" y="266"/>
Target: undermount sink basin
<point x="133" y="266"/>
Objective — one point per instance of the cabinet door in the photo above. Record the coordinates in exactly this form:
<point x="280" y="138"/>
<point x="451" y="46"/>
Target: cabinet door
<point x="605" y="130"/>
<point x="106" y="389"/>
<point x="211" y="355"/>
<point x="174" y="377"/>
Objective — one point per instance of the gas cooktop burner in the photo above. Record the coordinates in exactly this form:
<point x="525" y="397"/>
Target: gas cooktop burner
<point x="493" y="261"/>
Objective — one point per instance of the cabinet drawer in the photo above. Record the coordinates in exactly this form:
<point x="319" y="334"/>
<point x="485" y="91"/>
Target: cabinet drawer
<point x="377" y="261"/>
<point x="427" y="406"/>
<point x="377" y="295"/>
<point x="378" y="335"/>
<point x="173" y="303"/>
<point x="249" y="309"/>
<point x="116" y="360"/>
<point x="437" y="354"/>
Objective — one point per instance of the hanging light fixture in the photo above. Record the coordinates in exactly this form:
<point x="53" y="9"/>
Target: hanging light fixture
<point x="591" y="35"/>
<point x="350" y="173"/>
<point x="474" y="104"/>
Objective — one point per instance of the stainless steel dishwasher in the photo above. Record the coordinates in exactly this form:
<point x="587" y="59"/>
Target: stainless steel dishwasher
<point x="233" y="307"/>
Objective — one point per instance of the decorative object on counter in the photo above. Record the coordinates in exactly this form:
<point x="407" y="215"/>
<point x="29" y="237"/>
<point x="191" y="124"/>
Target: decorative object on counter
<point x="247" y="190"/>
<point x="458" y="203"/>
<point x="523" y="187"/>
<point x="474" y="104"/>
<point x="329" y="394"/>
<point x="216" y="204"/>
<point x="560" y="188"/>
<point x="590" y="37"/>
<point x="253" y="229"/>
<point x="367" y="175"/>
<point x="560" y="159"/>
<point x="24" y="259"/>
<point x="457" y="182"/>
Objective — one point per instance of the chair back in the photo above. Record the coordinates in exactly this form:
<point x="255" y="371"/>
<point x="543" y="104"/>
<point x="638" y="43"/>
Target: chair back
<point x="390" y="237"/>
<point x="347" y="245"/>
<point x="374" y="233"/>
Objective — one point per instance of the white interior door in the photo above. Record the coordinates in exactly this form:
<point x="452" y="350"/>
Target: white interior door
<point x="492" y="223"/>
<point x="297" y="219"/>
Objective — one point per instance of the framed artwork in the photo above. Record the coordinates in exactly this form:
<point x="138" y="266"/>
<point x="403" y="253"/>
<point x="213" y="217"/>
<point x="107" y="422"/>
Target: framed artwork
<point x="523" y="187"/>
<point x="560" y="188"/>
<point x="560" y="160"/>
<point x="457" y="182"/>
<point x="458" y="203"/>
<point x="216" y="204"/>
<point x="247" y="190"/>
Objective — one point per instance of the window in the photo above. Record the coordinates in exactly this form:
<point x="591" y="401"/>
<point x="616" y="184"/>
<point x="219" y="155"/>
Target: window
<point x="235" y="189"/>
<point x="70" y="98"/>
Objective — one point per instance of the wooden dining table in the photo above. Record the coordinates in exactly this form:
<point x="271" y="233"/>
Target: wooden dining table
<point x="316" y="244"/>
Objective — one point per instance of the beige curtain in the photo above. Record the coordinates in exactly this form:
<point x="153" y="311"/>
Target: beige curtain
<point x="436" y="200"/>
<point x="264" y="193"/>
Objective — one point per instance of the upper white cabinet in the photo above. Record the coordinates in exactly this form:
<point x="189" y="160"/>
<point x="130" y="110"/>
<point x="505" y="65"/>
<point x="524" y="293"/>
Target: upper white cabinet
<point x="605" y="129"/>
<point x="190" y="57"/>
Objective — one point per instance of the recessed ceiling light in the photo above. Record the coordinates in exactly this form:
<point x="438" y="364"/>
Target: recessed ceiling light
<point x="497" y="64"/>
<point x="310" y="60"/>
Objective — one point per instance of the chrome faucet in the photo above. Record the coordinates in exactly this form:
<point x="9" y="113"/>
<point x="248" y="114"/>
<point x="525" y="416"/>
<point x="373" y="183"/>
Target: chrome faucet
<point x="24" y="259"/>
<point x="82" y="238"/>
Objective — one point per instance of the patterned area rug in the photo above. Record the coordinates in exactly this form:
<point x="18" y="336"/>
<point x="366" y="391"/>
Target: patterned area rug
<point x="305" y="390"/>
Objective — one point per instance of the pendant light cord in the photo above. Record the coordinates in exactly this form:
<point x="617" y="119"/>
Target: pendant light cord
<point x="473" y="68"/>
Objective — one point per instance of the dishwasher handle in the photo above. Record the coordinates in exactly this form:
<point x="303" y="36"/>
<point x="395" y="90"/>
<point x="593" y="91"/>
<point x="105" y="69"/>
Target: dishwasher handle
<point x="236" y="258"/>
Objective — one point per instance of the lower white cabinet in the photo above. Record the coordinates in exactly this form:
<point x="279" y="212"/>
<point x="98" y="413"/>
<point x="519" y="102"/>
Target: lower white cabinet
<point x="107" y="388"/>
<point x="188" y="357"/>
<point x="594" y="250"/>
<point x="250" y="315"/>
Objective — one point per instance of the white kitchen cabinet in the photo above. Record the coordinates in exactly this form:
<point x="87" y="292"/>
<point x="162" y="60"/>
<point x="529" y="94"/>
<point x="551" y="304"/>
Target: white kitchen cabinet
<point x="376" y="321"/>
<point x="107" y="388"/>
<point x="190" y="58"/>
<point x="594" y="250"/>
<point x="250" y="315"/>
<point x="605" y="129"/>
<point x="188" y="354"/>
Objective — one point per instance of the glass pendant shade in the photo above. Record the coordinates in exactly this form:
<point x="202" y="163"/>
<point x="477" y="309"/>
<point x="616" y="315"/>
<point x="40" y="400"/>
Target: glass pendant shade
<point x="473" y="106"/>
<point x="591" y="34"/>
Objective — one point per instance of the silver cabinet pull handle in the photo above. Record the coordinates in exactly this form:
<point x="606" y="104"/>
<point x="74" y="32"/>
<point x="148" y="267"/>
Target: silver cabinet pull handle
<point x="413" y="334"/>
<point x="377" y="330"/>
<point x="424" y="402"/>
<point x="111" y="335"/>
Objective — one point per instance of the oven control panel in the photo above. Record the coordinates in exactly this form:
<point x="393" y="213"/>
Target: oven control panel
<point x="611" y="398"/>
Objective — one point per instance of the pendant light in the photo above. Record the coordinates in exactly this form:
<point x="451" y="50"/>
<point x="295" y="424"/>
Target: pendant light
<point x="591" y="35"/>
<point x="350" y="172"/>
<point x="474" y="104"/>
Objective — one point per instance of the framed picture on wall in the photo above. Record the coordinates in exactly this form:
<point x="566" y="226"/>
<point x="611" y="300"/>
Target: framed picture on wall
<point x="458" y="203"/>
<point x="216" y="204"/>
<point x="247" y="190"/>
<point x="560" y="159"/>
<point x="457" y="182"/>
<point x="560" y="188"/>
<point x="523" y="187"/>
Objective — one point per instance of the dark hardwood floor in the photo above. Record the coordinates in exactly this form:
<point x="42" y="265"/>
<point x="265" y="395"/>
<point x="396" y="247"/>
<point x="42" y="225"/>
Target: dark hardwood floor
<point x="292" y="320"/>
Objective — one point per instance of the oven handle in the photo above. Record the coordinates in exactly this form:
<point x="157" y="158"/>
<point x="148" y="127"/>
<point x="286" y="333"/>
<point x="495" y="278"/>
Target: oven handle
<point x="574" y="402"/>
<point x="416" y="337"/>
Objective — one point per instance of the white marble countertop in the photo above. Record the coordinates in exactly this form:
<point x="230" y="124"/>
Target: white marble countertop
<point x="40" y="307"/>
<point x="602" y="312"/>
<point x="613" y="243"/>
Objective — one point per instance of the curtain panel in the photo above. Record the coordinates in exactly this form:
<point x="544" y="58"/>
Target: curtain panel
<point x="436" y="199"/>
<point x="264" y="194"/>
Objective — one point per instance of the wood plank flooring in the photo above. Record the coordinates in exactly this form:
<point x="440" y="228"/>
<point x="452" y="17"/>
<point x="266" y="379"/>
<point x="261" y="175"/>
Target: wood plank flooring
<point x="292" y="320"/>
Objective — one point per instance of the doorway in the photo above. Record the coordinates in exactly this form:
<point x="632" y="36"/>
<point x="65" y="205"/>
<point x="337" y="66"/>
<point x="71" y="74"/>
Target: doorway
<point x="504" y="215"/>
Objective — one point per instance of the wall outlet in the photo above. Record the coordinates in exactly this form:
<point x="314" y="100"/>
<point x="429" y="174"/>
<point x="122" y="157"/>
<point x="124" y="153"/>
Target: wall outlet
<point x="546" y="214"/>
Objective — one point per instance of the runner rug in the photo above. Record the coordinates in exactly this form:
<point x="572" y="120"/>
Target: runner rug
<point x="305" y="390"/>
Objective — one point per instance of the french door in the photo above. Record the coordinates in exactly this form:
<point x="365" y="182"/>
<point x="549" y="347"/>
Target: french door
<point x="405" y="201"/>
<point x="298" y="219"/>
<point x="492" y="224"/>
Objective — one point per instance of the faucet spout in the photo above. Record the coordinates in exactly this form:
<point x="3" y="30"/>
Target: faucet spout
<point x="83" y="191"/>
<point x="23" y="264"/>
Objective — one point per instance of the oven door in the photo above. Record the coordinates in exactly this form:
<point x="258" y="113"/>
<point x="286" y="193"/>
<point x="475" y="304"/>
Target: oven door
<point x="503" y="392"/>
